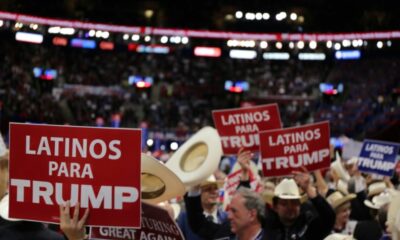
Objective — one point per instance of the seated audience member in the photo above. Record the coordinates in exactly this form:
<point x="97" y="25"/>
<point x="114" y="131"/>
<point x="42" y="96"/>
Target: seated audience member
<point x="342" y="207"/>
<point x="209" y="202"/>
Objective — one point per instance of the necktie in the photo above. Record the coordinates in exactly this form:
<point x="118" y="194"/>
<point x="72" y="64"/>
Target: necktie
<point x="210" y="218"/>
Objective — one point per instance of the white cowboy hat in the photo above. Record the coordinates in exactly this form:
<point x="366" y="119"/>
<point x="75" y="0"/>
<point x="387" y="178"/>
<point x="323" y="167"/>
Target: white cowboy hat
<point x="158" y="183"/>
<point x="338" y="236"/>
<point x="351" y="161"/>
<point x="342" y="186"/>
<point x="197" y="158"/>
<point x="337" y="166"/>
<point x="378" y="201"/>
<point x="376" y="188"/>
<point x="4" y="204"/>
<point x="287" y="189"/>
<point x="337" y="199"/>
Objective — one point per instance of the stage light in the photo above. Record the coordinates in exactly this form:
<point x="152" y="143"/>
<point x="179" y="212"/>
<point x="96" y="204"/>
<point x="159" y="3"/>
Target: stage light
<point x="148" y="13"/>
<point x="293" y="16"/>
<point x="173" y="146"/>
<point x="346" y="43"/>
<point x="126" y="36"/>
<point x="164" y="39"/>
<point x="300" y="44"/>
<point x="379" y="44"/>
<point x="329" y="44"/>
<point x="92" y="33"/>
<point x="259" y="16"/>
<point x="266" y="16"/>
<point x="185" y="40"/>
<point x="337" y="46"/>
<point x="313" y="44"/>
<point x="239" y="14"/>
<point x="278" y="45"/>
<point x="263" y="44"/>
<point x="135" y="37"/>
<point x="250" y="16"/>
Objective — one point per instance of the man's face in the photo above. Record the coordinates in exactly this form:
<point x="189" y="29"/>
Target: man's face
<point x="239" y="216"/>
<point x="209" y="194"/>
<point x="343" y="213"/>
<point x="288" y="210"/>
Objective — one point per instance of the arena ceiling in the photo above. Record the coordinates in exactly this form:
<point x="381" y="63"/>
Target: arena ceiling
<point x="318" y="15"/>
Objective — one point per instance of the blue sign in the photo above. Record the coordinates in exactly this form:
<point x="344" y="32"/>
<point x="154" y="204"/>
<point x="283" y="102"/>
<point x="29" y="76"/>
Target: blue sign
<point x="378" y="157"/>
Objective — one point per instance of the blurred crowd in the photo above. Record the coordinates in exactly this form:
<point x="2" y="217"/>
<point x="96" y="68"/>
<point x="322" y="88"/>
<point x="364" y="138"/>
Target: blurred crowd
<point x="186" y="89"/>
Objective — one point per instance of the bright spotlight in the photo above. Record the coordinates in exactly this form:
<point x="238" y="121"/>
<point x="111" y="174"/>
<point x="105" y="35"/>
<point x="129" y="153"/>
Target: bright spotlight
<point x="263" y="44"/>
<point x="266" y="16"/>
<point x="150" y="142"/>
<point x="164" y="39"/>
<point x="300" y="44"/>
<point x="313" y="45"/>
<point x="173" y="146"/>
<point x="239" y="14"/>
<point x="135" y="37"/>
<point x="293" y="16"/>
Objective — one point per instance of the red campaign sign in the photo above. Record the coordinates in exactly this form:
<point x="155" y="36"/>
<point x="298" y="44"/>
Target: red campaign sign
<point x="98" y="167"/>
<point x="240" y="127"/>
<point x="285" y="150"/>
<point x="156" y="224"/>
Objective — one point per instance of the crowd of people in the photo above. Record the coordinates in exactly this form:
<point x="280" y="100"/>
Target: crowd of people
<point x="186" y="89"/>
<point x="341" y="203"/>
<point x="92" y="89"/>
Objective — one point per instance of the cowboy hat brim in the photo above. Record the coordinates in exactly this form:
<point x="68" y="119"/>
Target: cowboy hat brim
<point x="158" y="183"/>
<point x="197" y="158"/>
<point x="343" y="200"/>
<point x="4" y="205"/>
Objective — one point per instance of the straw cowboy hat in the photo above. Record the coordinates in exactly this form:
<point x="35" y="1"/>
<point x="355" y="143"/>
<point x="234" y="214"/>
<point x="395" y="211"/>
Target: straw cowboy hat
<point x="4" y="204"/>
<point x="376" y="188"/>
<point x="197" y="158"/>
<point x="337" y="199"/>
<point x="158" y="183"/>
<point x="337" y="166"/>
<point x="338" y="236"/>
<point x="378" y="201"/>
<point x="211" y="180"/>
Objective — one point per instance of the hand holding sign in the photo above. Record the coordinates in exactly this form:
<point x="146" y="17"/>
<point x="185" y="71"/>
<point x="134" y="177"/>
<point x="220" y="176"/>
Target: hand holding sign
<point x="74" y="228"/>
<point x="244" y="158"/>
<point x="303" y="180"/>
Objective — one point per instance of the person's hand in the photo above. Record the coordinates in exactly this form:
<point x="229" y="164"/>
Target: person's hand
<point x="303" y="180"/>
<point x="244" y="158"/>
<point x="73" y="228"/>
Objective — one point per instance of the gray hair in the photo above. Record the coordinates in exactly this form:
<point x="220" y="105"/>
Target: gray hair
<point x="253" y="201"/>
